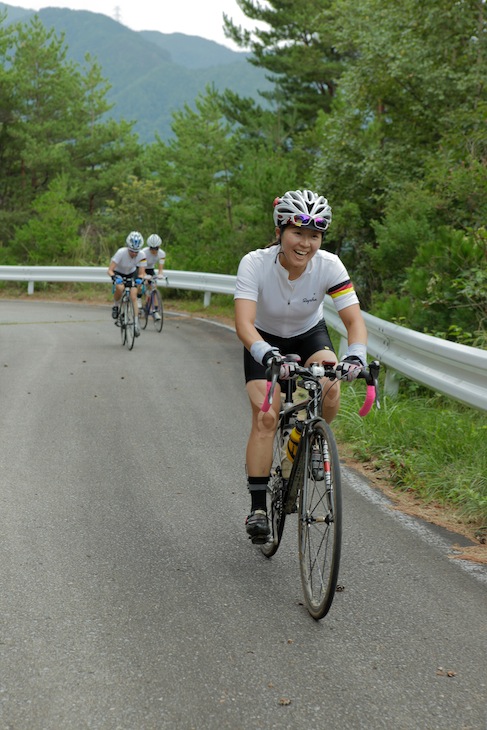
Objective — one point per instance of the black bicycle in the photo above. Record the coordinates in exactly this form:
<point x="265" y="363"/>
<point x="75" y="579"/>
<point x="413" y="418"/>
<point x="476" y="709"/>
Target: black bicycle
<point x="311" y="484"/>
<point x="152" y="307"/>
<point x="126" y="314"/>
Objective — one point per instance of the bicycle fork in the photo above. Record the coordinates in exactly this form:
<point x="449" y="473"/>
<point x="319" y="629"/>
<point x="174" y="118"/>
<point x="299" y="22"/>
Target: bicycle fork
<point x="319" y="496"/>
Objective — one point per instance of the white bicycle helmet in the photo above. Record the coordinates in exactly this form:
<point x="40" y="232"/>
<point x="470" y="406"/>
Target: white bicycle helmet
<point x="302" y="208"/>
<point x="154" y="241"/>
<point x="134" y="241"/>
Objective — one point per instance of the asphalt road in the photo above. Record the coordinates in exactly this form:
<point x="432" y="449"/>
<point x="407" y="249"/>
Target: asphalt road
<point x="130" y="596"/>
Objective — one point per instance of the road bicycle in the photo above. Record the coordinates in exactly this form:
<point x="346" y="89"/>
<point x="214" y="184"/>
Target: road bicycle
<point x="126" y="314"/>
<point x="311" y="484"/>
<point x="152" y="307"/>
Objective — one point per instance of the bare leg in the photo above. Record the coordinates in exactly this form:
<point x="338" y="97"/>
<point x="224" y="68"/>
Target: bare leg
<point x="133" y="297"/>
<point x="331" y="400"/>
<point x="331" y="389"/>
<point x="261" y="439"/>
<point x="118" y="293"/>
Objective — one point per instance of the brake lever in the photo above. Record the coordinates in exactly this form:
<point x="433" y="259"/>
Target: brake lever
<point x="374" y="368"/>
<point x="371" y="375"/>
<point x="272" y="375"/>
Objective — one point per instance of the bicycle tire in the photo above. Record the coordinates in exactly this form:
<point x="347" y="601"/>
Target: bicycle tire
<point x="156" y="305"/>
<point x="143" y="316"/>
<point x="276" y="498"/>
<point x="320" y="521"/>
<point x="121" y="321"/>
<point x="130" y="324"/>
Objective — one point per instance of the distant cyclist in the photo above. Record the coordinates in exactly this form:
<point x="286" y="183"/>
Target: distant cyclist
<point x="155" y="256"/>
<point x="128" y="261"/>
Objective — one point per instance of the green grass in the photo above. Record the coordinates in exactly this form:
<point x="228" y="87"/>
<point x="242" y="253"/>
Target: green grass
<point x="427" y="444"/>
<point x="75" y="292"/>
<point x="188" y="301"/>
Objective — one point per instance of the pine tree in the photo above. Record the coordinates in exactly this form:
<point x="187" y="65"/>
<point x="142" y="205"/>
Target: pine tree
<point x="295" y="42"/>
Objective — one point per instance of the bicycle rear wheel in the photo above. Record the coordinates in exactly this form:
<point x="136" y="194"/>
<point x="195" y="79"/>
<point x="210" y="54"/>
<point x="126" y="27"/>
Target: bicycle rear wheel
<point x="129" y="324"/>
<point x="320" y="520"/>
<point x="276" y="498"/>
<point x="156" y="306"/>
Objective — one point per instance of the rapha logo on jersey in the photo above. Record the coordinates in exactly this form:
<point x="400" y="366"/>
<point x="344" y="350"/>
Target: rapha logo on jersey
<point x="309" y="301"/>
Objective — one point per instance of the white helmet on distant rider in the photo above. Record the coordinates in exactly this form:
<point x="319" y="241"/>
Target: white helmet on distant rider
<point x="302" y="208"/>
<point x="154" y="241"/>
<point x="134" y="241"/>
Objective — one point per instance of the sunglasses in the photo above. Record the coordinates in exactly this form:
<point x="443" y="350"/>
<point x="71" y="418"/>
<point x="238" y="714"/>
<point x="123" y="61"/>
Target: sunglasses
<point x="301" y="219"/>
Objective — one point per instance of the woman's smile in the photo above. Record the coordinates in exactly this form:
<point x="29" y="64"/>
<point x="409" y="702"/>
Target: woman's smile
<point x="298" y="246"/>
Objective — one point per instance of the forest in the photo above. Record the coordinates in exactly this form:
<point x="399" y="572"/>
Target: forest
<point x="381" y="107"/>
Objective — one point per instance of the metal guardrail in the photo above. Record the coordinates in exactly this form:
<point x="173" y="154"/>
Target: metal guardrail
<point x="192" y="280"/>
<point x="455" y="370"/>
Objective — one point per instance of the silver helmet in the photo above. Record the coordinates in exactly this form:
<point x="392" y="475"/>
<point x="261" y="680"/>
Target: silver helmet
<point x="154" y="241"/>
<point x="134" y="241"/>
<point x="302" y="208"/>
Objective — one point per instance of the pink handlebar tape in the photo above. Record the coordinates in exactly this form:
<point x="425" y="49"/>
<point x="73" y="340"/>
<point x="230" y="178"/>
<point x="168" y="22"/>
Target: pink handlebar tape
<point x="369" y="399"/>
<point x="266" y="405"/>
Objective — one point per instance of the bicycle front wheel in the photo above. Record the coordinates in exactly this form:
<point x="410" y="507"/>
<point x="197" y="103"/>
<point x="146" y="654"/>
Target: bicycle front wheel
<point x="276" y="492"/>
<point x="122" y="319"/>
<point x="157" y="310"/>
<point x="320" y="519"/>
<point x="143" y="312"/>
<point x="129" y="324"/>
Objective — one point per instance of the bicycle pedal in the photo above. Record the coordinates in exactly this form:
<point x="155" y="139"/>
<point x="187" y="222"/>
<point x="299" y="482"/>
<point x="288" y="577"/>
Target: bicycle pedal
<point x="259" y="539"/>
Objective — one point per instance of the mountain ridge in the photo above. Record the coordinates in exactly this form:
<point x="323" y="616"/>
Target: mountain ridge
<point x="151" y="74"/>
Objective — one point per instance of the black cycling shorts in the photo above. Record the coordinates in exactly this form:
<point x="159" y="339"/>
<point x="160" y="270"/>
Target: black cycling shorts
<point x="132" y="276"/>
<point x="317" y="338"/>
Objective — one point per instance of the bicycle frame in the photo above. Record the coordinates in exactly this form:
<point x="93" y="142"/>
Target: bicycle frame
<point x="126" y="314"/>
<point x="312" y="408"/>
<point x="152" y="305"/>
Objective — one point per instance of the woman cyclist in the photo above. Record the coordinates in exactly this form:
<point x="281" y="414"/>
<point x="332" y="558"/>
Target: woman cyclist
<point x="128" y="261"/>
<point x="155" y="256"/>
<point x="278" y="310"/>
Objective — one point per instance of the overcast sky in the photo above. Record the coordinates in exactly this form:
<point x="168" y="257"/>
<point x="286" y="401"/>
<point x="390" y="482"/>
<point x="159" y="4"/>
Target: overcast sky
<point x="193" y="17"/>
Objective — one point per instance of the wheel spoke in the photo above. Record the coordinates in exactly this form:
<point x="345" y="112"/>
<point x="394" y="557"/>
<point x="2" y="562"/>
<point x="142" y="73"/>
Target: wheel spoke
<point x="156" y="305"/>
<point x="276" y="495"/>
<point x="122" y="320"/>
<point x="320" y="521"/>
<point x="130" y="324"/>
<point x="143" y="312"/>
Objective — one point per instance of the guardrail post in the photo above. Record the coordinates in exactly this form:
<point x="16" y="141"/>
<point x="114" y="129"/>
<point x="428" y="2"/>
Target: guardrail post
<point x="391" y="382"/>
<point x="30" y="287"/>
<point x="207" y="299"/>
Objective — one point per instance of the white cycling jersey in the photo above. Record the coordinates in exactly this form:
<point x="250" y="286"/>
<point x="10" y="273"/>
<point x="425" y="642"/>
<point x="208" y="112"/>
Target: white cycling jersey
<point x="127" y="265"/>
<point x="154" y="258"/>
<point x="290" y="308"/>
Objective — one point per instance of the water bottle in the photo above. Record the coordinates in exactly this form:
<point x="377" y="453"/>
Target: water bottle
<point x="294" y="439"/>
